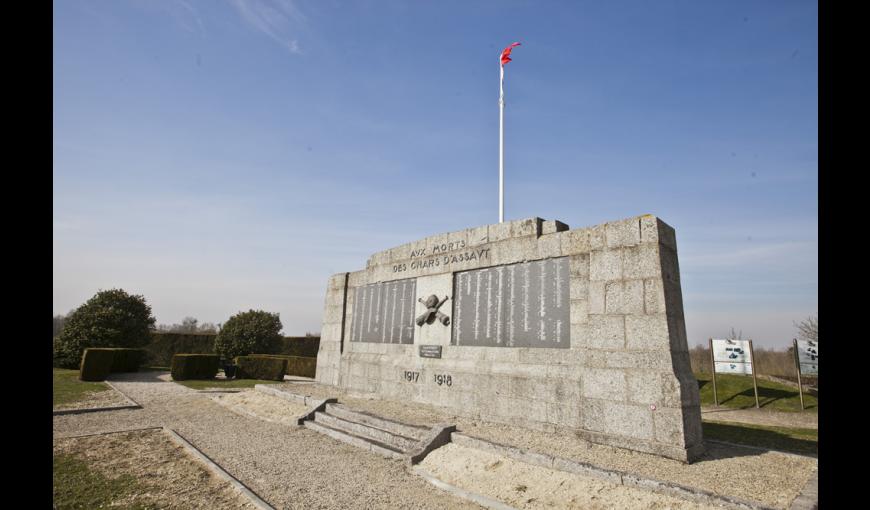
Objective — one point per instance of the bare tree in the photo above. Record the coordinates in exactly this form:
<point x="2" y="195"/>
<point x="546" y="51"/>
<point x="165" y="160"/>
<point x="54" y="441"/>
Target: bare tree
<point x="808" y="329"/>
<point x="207" y="327"/>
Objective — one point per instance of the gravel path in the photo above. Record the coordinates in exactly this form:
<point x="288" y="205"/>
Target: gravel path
<point x="525" y="486"/>
<point x="287" y="467"/>
<point x="771" y="478"/>
<point x="804" y="420"/>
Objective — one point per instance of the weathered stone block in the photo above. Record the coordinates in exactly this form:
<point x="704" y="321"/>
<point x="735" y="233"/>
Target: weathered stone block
<point x="647" y="332"/>
<point x="622" y="233"/>
<point x="499" y="232"/>
<point x="526" y="227"/>
<point x="600" y="332"/>
<point x="652" y="360"/>
<point x="654" y="297"/>
<point x="551" y="226"/>
<point x="579" y="265"/>
<point x="608" y="384"/>
<point x="478" y="236"/>
<point x="624" y="297"/>
<point x="579" y="311"/>
<point x="628" y="420"/>
<point x="575" y="241"/>
<point x="333" y="313"/>
<point x="641" y="262"/>
<point x="668" y="425"/>
<point x="649" y="229"/>
<point x="549" y="245"/>
<point x="605" y="265"/>
<point x="597" y="293"/>
<point x="644" y="387"/>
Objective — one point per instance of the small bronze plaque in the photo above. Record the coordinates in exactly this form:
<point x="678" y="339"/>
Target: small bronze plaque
<point x="430" y="351"/>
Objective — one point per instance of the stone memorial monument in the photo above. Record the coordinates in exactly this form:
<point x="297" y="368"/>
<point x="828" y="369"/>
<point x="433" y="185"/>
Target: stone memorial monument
<point x="528" y="323"/>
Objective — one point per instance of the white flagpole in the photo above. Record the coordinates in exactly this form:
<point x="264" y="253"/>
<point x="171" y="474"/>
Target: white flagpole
<point x="501" y="144"/>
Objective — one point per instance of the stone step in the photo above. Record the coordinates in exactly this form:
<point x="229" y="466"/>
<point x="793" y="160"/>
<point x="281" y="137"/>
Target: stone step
<point x="368" y="431"/>
<point x="360" y="442"/>
<point x="395" y="427"/>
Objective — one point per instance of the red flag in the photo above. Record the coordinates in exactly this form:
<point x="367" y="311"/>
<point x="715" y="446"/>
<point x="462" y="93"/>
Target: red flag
<point x="506" y="54"/>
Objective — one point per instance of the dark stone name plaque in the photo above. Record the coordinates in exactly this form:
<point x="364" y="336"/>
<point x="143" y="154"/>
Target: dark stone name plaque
<point x="516" y="305"/>
<point x="430" y="351"/>
<point x="384" y="312"/>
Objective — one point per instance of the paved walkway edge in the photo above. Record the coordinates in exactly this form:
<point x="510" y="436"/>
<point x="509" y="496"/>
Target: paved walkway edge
<point x="93" y="410"/>
<point x="461" y="493"/>
<point x="808" y="499"/>
<point x="613" y="476"/>
<point x="216" y="469"/>
<point x="131" y="404"/>
<point x="109" y="432"/>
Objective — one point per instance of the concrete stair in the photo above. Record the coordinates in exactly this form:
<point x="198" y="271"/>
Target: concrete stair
<point x="379" y="435"/>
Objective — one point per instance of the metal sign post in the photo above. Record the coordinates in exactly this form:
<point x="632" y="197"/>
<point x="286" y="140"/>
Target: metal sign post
<point x="713" y="368"/>
<point x="797" y="366"/>
<point x="754" y="370"/>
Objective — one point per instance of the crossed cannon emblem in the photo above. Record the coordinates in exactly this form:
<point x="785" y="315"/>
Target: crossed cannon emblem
<point x="432" y="304"/>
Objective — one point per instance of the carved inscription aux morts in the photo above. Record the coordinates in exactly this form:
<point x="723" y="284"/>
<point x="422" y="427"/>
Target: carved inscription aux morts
<point x="440" y="255"/>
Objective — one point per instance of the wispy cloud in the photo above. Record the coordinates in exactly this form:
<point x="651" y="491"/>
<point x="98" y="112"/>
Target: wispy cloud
<point x="275" y="18"/>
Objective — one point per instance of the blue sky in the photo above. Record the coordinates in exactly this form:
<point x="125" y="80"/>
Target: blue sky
<point x="217" y="156"/>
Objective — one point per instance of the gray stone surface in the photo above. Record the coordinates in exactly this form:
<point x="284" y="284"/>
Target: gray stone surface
<point x="619" y="373"/>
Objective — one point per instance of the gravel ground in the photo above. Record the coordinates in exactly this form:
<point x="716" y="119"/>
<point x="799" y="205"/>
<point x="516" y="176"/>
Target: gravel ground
<point x="525" y="486"/>
<point x="771" y="478"/>
<point x="263" y="406"/>
<point x="805" y="420"/>
<point x="103" y="398"/>
<point x="170" y="477"/>
<point x="287" y="467"/>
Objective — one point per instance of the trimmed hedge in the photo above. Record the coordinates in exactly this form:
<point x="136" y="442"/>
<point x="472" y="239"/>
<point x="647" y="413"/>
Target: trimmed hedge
<point x="194" y="366"/>
<point x="164" y="345"/>
<point x="127" y="360"/>
<point x="96" y="364"/>
<point x="299" y="346"/>
<point x="261" y="366"/>
<point x="303" y="366"/>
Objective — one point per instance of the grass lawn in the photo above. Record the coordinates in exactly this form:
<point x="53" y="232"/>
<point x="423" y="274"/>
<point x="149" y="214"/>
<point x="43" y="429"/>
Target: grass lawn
<point x="67" y="388"/>
<point x="736" y="391"/>
<point x="775" y="438"/>
<point x="76" y="485"/>
<point x="223" y="383"/>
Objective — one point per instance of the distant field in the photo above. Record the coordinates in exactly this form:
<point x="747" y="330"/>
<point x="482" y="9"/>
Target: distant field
<point x="736" y="391"/>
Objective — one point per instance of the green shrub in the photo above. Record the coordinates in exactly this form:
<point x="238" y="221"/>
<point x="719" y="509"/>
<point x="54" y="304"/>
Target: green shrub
<point x="249" y="332"/>
<point x="127" y="360"/>
<point x="112" y="318"/>
<point x="268" y="368"/>
<point x="194" y="366"/>
<point x="96" y="364"/>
